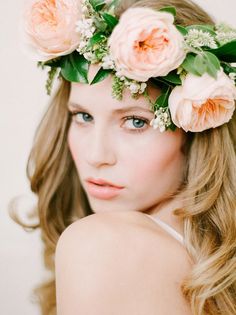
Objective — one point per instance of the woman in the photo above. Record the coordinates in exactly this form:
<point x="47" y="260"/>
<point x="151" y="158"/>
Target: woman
<point x="143" y="216"/>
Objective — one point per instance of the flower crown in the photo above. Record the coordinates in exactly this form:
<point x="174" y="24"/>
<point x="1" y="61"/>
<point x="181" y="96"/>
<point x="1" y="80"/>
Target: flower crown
<point x="194" y="66"/>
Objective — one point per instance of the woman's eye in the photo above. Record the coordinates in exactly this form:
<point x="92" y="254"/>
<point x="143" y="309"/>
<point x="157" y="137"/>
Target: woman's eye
<point x="81" y="117"/>
<point x="135" y="123"/>
<point x="132" y="123"/>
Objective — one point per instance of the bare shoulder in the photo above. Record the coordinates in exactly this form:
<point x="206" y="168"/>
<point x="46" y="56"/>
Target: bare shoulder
<point x="98" y="229"/>
<point x="124" y="228"/>
<point x="123" y="263"/>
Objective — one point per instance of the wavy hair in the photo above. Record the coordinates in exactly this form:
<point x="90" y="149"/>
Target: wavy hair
<point x="209" y="193"/>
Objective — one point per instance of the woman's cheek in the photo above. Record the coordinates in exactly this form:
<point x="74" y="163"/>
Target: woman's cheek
<point x="72" y="139"/>
<point x="154" y="160"/>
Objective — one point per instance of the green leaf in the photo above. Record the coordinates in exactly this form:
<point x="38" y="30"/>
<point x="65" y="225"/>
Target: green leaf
<point x="162" y="100"/>
<point x="56" y="62"/>
<point x="96" y="38"/>
<point x="97" y="4"/>
<point x="204" y="28"/>
<point x="188" y="64"/>
<point x="173" y="77"/>
<point x="101" y="75"/>
<point x="181" y="29"/>
<point x="170" y="9"/>
<point x="211" y="70"/>
<point x="172" y="127"/>
<point x="226" y="52"/>
<point x="213" y="59"/>
<point x="74" y="68"/>
<point x="228" y="68"/>
<point x="160" y="83"/>
<point x="200" y="64"/>
<point x="113" y="4"/>
<point x="110" y="20"/>
<point x="100" y="25"/>
<point x="213" y="64"/>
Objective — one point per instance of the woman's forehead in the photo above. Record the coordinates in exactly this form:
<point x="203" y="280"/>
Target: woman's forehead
<point x="101" y="94"/>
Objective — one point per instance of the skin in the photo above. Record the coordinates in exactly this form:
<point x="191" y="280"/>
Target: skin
<point x="138" y="267"/>
<point x="148" y="163"/>
<point x="127" y="265"/>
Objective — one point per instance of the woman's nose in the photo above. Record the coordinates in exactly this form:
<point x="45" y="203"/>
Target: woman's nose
<point x="101" y="148"/>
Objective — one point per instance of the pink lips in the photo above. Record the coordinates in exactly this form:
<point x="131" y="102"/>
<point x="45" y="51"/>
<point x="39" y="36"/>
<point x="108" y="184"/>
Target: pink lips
<point x="102" y="189"/>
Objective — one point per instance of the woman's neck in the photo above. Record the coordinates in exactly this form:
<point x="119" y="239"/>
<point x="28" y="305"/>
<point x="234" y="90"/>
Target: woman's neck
<point x="164" y="211"/>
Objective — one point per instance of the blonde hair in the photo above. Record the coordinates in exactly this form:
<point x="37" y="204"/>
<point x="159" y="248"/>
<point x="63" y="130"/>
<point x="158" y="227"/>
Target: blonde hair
<point x="209" y="190"/>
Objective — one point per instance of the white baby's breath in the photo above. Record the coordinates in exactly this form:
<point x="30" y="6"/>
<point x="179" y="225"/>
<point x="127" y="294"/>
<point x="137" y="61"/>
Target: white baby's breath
<point x="224" y="38"/>
<point x="143" y="86"/>
<point x="90" y="57"/>
<point x="135" y="86"/>
<point x="85" y="27"/>
<point x="82" y="45"/>
<point x="84" y="10"/>
<point x="225" y="33"/>
<point x="199" y="38"/>
<point x="232" y="76"/>
<point x="161" y="119"/>
<point x="120" y="75"/>
<point x="108" y="62"/>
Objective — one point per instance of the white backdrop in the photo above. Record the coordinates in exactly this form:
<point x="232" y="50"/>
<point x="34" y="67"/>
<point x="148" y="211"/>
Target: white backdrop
<point x="23" y="101"/>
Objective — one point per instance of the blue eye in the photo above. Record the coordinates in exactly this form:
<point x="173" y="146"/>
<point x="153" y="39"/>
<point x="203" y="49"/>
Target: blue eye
<point x="137" y="122"/>
<point x="81" y="117"/>
<point x="133" y="123"/>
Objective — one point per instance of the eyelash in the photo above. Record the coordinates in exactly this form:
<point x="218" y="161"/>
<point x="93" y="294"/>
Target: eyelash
<point x="146" y="121"/>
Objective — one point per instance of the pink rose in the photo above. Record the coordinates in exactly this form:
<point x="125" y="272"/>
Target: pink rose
<point x="145" y="44"/>
<point x="50" y="27"/>
<point x="203" y="102"/>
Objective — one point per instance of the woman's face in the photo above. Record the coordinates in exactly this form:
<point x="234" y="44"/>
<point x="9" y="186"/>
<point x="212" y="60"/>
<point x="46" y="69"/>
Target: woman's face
<point x="112" y="140"/>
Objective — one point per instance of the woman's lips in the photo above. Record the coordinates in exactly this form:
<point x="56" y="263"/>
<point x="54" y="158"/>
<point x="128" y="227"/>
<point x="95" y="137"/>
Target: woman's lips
<point x="103" y="182"/>
<point x="102" y="191"/>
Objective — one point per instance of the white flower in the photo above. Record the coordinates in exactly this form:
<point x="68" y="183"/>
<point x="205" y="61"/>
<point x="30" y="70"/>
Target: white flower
<point x="197" y="38"/>
<point x="82" y="45"/>
<point x="225" y="33"/>
<point x="84" y="10"/>
<point x="120" y="75"/>
<point x="232" y="76"/>
<point x="107" y="62"/>
<point x="143" y="86"/>
<point x="161" y="119"/>
<point x="135" y="87"/>
<point x="90" y="56"/>
<point x="225" y="37"/>
<point x="85" y="27"/>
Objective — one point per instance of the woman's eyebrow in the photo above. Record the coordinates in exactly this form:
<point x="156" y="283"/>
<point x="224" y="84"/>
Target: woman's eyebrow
<point x="115" y="111"/>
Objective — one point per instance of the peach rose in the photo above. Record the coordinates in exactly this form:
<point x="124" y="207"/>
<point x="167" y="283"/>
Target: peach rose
<point x="202" y="102"/>
<point x="50" y="27"/>
<point x="145" y="44"/>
